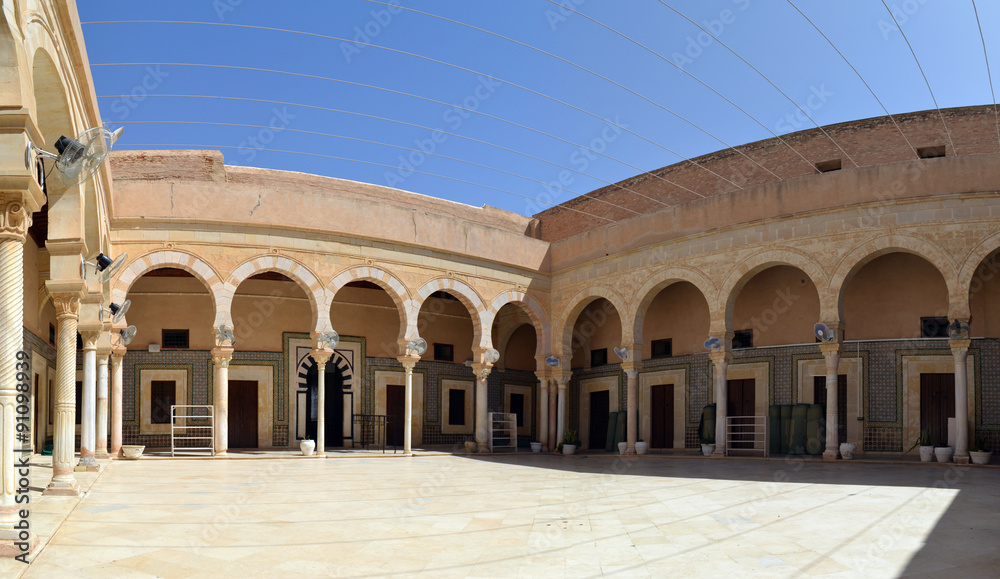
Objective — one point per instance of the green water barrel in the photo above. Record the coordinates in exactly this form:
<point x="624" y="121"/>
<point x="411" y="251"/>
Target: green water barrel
<point x="706" y="428"/>
<point x="815" y="442"/>
<point x="798" y="442"/>
<point x="786" y="427"/>
<point x="774" y="429"/>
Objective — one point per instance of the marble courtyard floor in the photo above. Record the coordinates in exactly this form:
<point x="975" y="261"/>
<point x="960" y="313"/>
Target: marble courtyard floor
<point x="521" y="516"/>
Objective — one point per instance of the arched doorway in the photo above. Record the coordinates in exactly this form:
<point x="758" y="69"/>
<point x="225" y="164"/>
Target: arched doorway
<point x="339" y="378"/>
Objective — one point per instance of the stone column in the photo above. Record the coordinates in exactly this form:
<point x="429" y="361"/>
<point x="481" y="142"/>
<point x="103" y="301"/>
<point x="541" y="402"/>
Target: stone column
<point x="63" y="482"/>
<point x="408" y="363"/>
<point x="321" y="357"/>
<point x="482" y="371"/>
<point x="721" y="361"/>
<point x="554" y="439"/>
<point x="116" y="401"/>
<point x="632" y="406"/>
<point x="562" y="380"/>
<point x="831" y="351"/>
<point x="960" y="351"/>
<point x="14" y="221"/>
<point x="221" y="356"/>
<point x="87" y="416"/>
<point x="101" y="449"/>
<point x="543" y="410"/>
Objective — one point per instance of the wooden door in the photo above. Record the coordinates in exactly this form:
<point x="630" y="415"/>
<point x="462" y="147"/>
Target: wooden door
<point x="937" y="405"/>
<point x="242" y="414"/>
<point x="599" y="408"/>
<point x="819" y="397"/>
<point x="395" y="397"/>
<point x="662" y="416"/>
<point x="517" y="408"/>
<point x="740" y="404"/>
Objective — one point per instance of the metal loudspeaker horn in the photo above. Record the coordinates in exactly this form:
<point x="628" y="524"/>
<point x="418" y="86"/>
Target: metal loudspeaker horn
<point x="713" y="344"/>
<point x="824" y="333"/>
<point x="622" y="353"/>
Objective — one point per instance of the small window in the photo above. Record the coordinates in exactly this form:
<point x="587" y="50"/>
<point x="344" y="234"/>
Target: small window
<point x="662" y="348"/>
<point x="742" y="339"/>
<point x="52" y="334"/>
<point x="931" y="152"/>
<point x="827" y="166"/>
<point x="176" y="339"/>
<point x="456" y="407"/>
<point x="933" y="327"/>
<point x="598" y="357"/>
<point x="163" y="395"/>
<point x="444" y="352"/>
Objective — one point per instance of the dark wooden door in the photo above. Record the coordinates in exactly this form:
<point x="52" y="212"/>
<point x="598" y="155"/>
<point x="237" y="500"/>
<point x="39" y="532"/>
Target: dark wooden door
<point x="517" y="408"/>
<point x="395" y="397"/>
<point x="937" y="405"/>
<point x="740" y="404"/>
<point x="662" y="416"/>
<point x="242" y="414"/>
<point x="599" y="408"/>
<point x="819" y="397"/>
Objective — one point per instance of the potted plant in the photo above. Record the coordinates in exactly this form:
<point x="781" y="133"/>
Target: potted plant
<point x="924" y="443"/>
<point x="569" y="443"/>
<point x="978" y="452"/>
<point x="641" y="447"/>
<point x="943" y="453"/>
<point x="307" y="446"/>
<point x="132" y="451"/>
<point x="707" y="442"/>
<point x="706" y="430"/>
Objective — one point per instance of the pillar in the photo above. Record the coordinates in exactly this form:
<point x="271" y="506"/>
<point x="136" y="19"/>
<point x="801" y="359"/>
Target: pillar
<point x="67" y="306"/>
<point x="116" y="401"/>
<point x="632" y="406"/>
<point x="14" y="221"/>
<point x="554" y="439"/>
<point x="720" y="360"/>
<point x="321" y="357"/>
<point x="831" y="351"/>
<point x="543" y="410"/>
<point x="482" y="371"/>
<point x="87" y="415"/>
<point x="562" y="382"/>
<point x="408" y="362"/>
<point x="960" y="351"/>
<point x="101" y="448"/>
<point x="221" y="356"/>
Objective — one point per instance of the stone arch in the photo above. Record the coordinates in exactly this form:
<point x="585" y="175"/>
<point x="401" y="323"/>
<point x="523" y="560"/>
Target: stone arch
<point x="465" y="294"/>
<point x="169" y="258"/>
<point x="966" y="275"/>
<point x="657" y="283"/>
<point x="863" y="253"/>
<point x="396" y="289"/>
<point x="10" y="77"/>
<point x="531" y="306"/>
<point x="722" y="309"/>
<point x="566" y="320"/>
<point x="299" y="273"/>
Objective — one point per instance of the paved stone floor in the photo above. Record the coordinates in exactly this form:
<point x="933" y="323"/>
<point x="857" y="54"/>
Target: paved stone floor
<point x="526" y="516"/>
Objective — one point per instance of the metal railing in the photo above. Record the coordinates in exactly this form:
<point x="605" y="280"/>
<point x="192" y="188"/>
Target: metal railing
<point x="191" y="423"/>
<point x="746" y="433"/>
<point x="371" y="430"/>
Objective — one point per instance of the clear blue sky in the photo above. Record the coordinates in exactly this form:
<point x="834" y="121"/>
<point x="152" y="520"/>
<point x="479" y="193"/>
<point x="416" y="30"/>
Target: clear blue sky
<point x="770" y="35"/>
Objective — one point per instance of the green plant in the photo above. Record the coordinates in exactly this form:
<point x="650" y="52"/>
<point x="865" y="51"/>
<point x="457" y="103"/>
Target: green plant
<point x="923" y="440"/>
<point x="706" y="435"/>
<point x="570" y="437"/>
<point x="307" y="437"/>
<point x="978" y="444"/>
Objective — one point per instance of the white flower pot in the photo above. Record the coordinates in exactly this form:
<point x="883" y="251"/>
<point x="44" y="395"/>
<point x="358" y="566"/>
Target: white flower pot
<point x="132" y="451"/>
<point x="943" y="453"/>
<point x="641" y="447"/>
<point x="470" y="446"/>
<point x="847" y="450"/>
<point x="536" y="447"/>
<point x="707" y="449"/>
<point x="926" y="453"/>
<point x="569" y="449"/>
<point x="308" y="447"/>
<point x="621" y="447"/>
<point x="980" y="457"/>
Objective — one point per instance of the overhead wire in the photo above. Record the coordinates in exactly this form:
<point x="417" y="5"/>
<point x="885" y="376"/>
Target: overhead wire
<point x="989" y="75"/>
<point x="921" y="68"/>
<point x="861" y="78"/>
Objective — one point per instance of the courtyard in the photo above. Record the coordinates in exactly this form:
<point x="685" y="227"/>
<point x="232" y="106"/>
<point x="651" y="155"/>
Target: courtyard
<point x="523" y="515"/>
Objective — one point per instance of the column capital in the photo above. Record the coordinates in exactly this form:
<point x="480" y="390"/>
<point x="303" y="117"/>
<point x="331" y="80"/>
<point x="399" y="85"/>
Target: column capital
<point x="960" y="347"/>
<point x="103" y="352"/>
<point x="543" y="377"/>
<point x="90" y="338"/>
<point x="221" y="355"/>
<point x="631" y="368"/>
<point x="118" y="353"/>
<point x="408" y="362"/>
<point x="320" y="355"/>
<point x="15" y="217"/>
<point x="829" y="348"/>
<point x="720" y="356"/>
<point x="67" y="304"/>
<point x="482" y="370"/>
<point x="562" y="378"/>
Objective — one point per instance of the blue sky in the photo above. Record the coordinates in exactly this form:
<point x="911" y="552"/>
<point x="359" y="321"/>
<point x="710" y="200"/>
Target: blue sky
<point x="489" y="119"/>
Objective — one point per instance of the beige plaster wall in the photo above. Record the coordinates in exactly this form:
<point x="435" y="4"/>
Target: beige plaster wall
<point x="264" y="309"/>
<point x="678" y="312"/>
<point x="160" y="303"/>
<point x="598" y="326"/>
<point x="780" y="305"/>
<point x="874" y="298"/>
<point x="370" y="313"/>
<point x="444" y="321"/>
<point x="529" y="406"/>
<point x="520" y="351"/>
<point x="984" y="298"/>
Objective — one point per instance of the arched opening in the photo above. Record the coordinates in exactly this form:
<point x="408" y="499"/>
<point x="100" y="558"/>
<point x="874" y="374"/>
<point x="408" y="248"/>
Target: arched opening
<point x="984" y="298"/>
<point x="895" y="296"/>
<point x="597" y="331"/>
<point x="447" y="326"/>
<point x="676" y="322"/>
<point x="516" y="338"/>
<point x="776" y="306"/>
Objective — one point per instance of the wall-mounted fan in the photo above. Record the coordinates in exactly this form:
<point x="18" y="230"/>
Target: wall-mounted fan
<point x="958" y="330"/>
<point x="622" y="353"/>
<point x="117" y="311"/>
<point x="104" y="265"/>
<point x="79" y="158"/>
<point x="552" y="361"/>
<point x="224" y="336"/>
<point x="328" y="340"/>
<point x="125" y="335"/>
<point x="713" y="344"/>
<point x="491" y="356"/>
<point x="416" y="347"/>
<point x="825" y="333"/>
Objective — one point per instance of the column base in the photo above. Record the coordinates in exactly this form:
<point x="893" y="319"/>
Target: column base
<point x="630" y="452"/>
<point x="717" y="453"/>
<point x="11" y="546"/>
<point x="831" y="454"/>
<point x="88" y="460"/>
<point x="482" y="448"/>
<point x="87" y="468"/>
<point x="102" y="455"/>
<point x="960" y="459"/>
<point x="62" y="489"/>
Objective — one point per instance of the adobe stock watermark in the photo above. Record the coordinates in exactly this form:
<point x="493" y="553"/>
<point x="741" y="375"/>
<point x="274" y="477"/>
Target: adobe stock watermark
<point x="250" y="146"/>
<point x="716" y="27"/>
<point x="902" y="12"/>
<point x="364" y="34"/>
<point x="222" y="7"/>
<point x="566" y="9"/>
<point x="123" y="107"/>
<point x="454" y="117"/>
<point x="818" y="96"/>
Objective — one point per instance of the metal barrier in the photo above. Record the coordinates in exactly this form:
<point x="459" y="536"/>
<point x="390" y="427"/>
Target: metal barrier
<point x="746" y="433"/>
<point x="192" y="417"/>
<point x="371" y="430"/>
